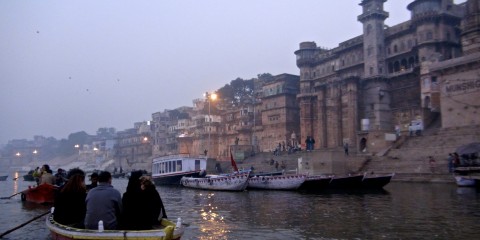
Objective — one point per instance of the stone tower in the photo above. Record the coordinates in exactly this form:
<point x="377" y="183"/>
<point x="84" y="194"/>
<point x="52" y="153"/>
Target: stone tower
<point x="376" y="98"/>
<point x="471" y="28"/>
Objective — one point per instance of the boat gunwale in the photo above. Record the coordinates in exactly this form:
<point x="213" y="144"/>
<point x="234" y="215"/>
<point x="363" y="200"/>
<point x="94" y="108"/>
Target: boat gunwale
<point x="78" y="233"/>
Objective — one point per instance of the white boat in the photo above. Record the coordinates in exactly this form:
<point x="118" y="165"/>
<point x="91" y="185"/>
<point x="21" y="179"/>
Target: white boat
<point x="237" y="182"/>
<point x="168" y="170"/>
<point x="282" y="182"/>
<point x="465" y="181"/>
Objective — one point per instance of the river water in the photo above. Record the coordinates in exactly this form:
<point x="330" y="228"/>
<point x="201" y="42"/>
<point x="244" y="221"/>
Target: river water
<point x="402" y="211"/>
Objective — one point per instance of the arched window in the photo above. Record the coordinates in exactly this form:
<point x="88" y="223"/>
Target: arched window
<point x="396" y="66"/>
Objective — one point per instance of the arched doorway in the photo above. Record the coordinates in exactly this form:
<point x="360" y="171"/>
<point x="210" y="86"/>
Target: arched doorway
<point x="363" y="145"/>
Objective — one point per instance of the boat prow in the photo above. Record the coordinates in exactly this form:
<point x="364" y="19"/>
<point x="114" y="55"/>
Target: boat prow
<point x="375" y="181"/>
<point x="168" y="230"/>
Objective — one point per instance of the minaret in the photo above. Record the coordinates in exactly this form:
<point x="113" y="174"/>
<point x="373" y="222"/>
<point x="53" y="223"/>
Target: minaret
<point x="373" y="18"/>
<point x="471" y="28"/>
<point x="375" y="89"/>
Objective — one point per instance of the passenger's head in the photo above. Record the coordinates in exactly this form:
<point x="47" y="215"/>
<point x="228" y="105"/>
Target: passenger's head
<point x="75" y="171"/>
<point x="105" y="177"/>
<point x="94" y="177"/>
<point x="134" y="181"/>
<point x="146" y="182"/>
<point x="75" y="183"/>
<point x="45" y="167"/>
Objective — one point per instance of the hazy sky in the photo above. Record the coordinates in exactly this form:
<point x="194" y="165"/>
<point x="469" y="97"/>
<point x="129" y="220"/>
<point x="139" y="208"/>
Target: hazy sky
<point x="68" y="66"/>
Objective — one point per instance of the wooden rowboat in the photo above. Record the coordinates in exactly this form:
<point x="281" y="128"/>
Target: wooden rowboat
<point x="44" y="193"/>
<point x="283" y="182"/>
<point x="237" y="182"/>
<point x="376" y="181"/>
<point x="167" y="231"/>
<point x="316" y="183"/>
<point x="346" y="182"/>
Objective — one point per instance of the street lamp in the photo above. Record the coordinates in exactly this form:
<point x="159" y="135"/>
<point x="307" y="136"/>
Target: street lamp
<point x="210" y="97"/>
<point x="35" y="155"/>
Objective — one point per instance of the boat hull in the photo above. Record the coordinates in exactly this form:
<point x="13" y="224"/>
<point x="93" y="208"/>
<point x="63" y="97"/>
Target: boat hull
<point x="348" y="182"/>
<point x="28" y="178"/>
<point x="463" y="181"/>
<point x="3" y="178"/>
<point x="44" y="193"/>
<point x="223" y="183"/>
<point x="174" y="179"/>
<point x="373" y="182"/>
<point x="284" y="182"/>
<point x="62" y="232"/>
<point x="315" y="183"/>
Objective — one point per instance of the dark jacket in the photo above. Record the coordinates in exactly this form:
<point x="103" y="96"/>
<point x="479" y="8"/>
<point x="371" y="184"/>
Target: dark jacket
<point x="70" y="208"/>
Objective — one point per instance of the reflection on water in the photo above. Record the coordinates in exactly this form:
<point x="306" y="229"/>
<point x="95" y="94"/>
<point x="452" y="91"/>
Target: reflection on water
<point x="403" y="211"/>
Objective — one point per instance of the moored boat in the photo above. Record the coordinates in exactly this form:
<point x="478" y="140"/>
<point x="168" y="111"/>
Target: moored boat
<point x="237" y="182"/>
<point x="315" y="183"/>
<point x="3" y="178"/>
<point x="28" y="177"/>
<point x="465" y="181"/>
<point x="282" y="182"/>
<point x="167" y="230"/>
<point x="168" y="170"/>
<point x="346" y="182"/>
<point x="44" y="193"/>
<point x="118" y="175"/>
<point x="376" y="181"/>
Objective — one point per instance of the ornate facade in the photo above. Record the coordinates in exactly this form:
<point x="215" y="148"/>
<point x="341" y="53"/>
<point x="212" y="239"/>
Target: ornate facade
<point x="360" y="90"/>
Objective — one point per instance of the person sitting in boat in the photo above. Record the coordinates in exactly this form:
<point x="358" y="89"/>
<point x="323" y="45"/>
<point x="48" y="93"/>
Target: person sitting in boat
<point x="141" y="204"/>
<point x="153" y="204"/>
<point x="93" y="180"/>
<point x="202" y="173"/>
<point x="36" y="174"/>
<point x="69" y="202"/>
<point x="60" y="177"/>
<point x="103" y="203"/>
<point x="47" y="176"/>
<point x="132" y="202"/>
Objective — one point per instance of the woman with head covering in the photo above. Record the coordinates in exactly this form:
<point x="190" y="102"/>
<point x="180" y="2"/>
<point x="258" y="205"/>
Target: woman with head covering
<point x="69" y="203"/>
<point x="142" y="204"/>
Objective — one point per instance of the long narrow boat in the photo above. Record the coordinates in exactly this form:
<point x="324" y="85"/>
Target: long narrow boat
<point x="44" y="193"/>
<point x="237" y="182"/>
<point x="168" y="170"/>
<point x="3" y="178"/>
<point x="376" y="181"/>
<point x="283" y="182"/>
<point x="167" y="231"/>
<point x="315" y="183"/>
<point x="346" y="182"/>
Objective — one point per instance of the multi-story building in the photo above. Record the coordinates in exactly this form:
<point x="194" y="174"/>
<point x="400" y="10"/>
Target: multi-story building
<point x="280" y="111"/>
<point x="133" y="148"/>
<point x="359" y="91"/>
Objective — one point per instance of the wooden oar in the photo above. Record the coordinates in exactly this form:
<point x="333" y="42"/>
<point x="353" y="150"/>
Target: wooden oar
<point x="25" y="223"/>
<point x="11" y="196"/>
